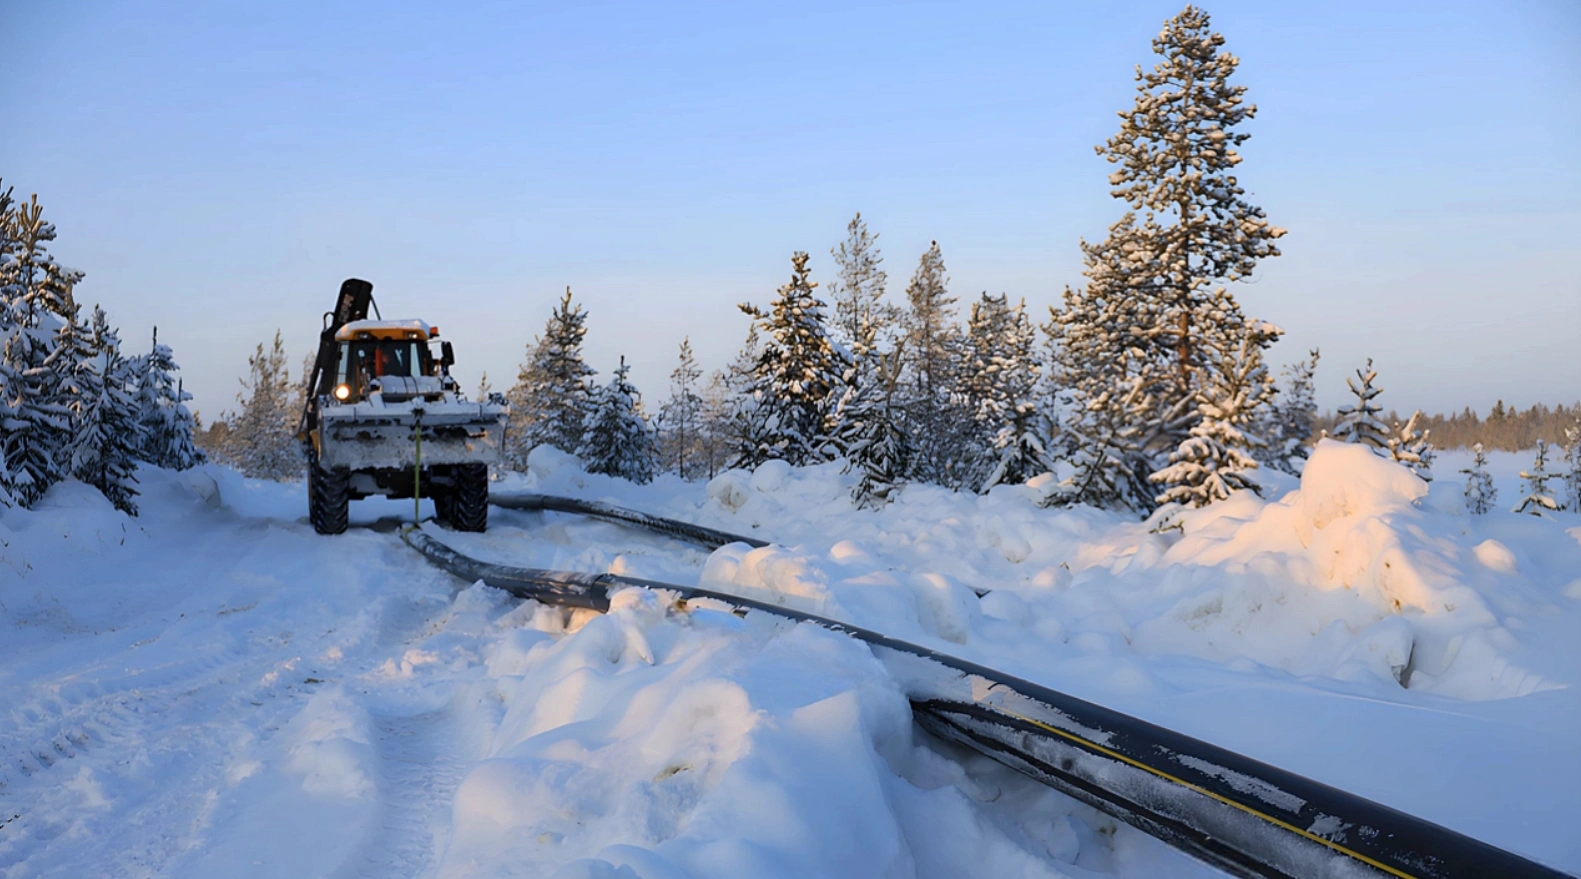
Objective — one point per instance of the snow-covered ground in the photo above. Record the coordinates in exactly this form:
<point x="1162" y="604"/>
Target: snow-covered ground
<point x="214" y="690"/>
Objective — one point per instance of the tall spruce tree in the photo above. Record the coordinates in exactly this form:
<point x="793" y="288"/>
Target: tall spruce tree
<point x="1480" y="492"/>
<point x="552" y="395"/>
<point x="681" y="419"/>
<point x="861" y="316"/>
<point x="616" y="439"/>
<point x="931" y="367"/>
<point x="35" y="306"/>
<point x="796" y="373"/>
<point x="107" y="433"/>
<point x="1176" y="158"/>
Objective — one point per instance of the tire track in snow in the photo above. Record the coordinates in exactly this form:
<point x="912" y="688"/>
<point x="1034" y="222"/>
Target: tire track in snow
<point x="422" y="760"/>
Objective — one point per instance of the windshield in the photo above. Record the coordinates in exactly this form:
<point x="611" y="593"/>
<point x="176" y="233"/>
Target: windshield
<point x="364" y="360"/>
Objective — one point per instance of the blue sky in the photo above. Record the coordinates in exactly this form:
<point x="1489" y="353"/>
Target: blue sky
<point x="217" y="169"/>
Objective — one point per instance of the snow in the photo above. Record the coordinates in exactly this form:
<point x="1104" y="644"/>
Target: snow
<point x="213" y="689"/>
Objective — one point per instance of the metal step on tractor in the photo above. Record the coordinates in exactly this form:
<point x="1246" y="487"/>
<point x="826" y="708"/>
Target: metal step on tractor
<point x="384" y="417"/>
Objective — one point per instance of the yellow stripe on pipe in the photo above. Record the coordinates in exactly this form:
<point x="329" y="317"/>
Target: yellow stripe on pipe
<point x="1207" y="793"/>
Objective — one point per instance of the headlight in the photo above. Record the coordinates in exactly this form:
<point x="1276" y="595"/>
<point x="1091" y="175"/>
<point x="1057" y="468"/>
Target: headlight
<point x="342" y="392"/>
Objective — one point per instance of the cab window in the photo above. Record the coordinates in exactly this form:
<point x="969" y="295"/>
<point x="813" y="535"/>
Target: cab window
<point x="363" y="360"/>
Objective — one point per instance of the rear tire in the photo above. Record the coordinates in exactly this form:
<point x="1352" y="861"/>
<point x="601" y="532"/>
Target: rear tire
<point x="444" y="506"/>
<point x="328" y="498"/>
<point x="469" y="505"/>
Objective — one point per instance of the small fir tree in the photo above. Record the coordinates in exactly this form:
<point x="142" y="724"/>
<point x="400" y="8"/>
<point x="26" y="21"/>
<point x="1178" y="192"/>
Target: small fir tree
<point x="108" y="433"/>
<point x="1481" y="494"/>
<point x="876" y="444"/>
<point x="796" y="373"/>
<point x="260" y="439"/>
<point x="552" y="395"/>
<point x="1287" y="427"/>
<point x="1105" y="443"/>
<point x="1358" y="422"/>
<point x="1572" y="469"/>
<point x="680" y="419"/>
<point x="617" y="440"/>
<point x="1540" y="493"/>
<point x="1216" y="457"/>
<point x="1410" y="446"/>
<point x="167" y="424"/>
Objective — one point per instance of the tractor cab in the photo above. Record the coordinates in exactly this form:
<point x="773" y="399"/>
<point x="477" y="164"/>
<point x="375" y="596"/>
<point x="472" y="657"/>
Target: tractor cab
<point x="393" y="358"/>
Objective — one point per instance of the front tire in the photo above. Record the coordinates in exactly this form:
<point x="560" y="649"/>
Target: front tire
<point x="469" y="505"/>
<point x="328" y="498"/>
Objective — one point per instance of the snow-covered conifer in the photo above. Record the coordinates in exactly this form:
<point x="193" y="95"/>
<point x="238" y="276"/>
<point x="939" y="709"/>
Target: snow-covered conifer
<point x="1540" y="492"/>
<point x="931" y="354"/>
<point x="1105" y="443"/>
<point x="1216" y="458"/>
<point x="796" y="373"/>
<point x="1177" y="164"/>
<point x="616" y="439"/>
<point x="999" y="380"/>
<point x="107" y="432"/>
<point x="875" y="443"/>
<point x="681" y="419"/>
<point x="1480" y="491"/>
<point x="260" y="439"/>
<point x="35" y="305"/>
<point x="1359" y="422"/>
<point x="1287" y="424"/>
<point x="1411" y="447"/>
<point x="550" y="401"/>
<point x="857" y="290"/>
<point x="167" y="424"/>
<point x="1572" y="466"/>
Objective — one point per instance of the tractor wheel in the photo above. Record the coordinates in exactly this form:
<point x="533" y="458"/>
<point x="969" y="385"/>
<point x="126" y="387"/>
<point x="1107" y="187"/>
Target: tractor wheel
<point x="444" y="506"/>
<point x="469" y="510"/>
<point x="328" y="498"/>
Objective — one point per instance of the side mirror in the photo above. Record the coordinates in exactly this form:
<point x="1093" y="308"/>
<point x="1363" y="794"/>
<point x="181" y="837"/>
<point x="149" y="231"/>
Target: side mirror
<point x="447" y="355"/>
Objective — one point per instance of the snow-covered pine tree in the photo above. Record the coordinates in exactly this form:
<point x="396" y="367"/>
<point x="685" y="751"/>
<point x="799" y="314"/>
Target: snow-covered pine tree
<point x="260" y="439"/>
<point x="1539" y="485"/>
<point x="550" y="401"/>
<point x="858" y="289"/>
<point x="681" y="419"/>
<point x="930" y="369"/>
<point x="1216" y="457"/>
<point x="998" y="385"/>
<point x="1411" y="447"/>
<point x="167" y="424"/>
<point x="1572" y="462"/>
<point x="1288" y="423"/>
<point x="1106" y="445"/>
<point x="1176" y="156"/>
<point x="1112" y="374"/>
<point x="107" y="433"/>
<point x="1480" y="491"/>
<point x="1358" y="422"/>
<point x="35" y="304"/>
<point x="875" y="442"/>
<point x="796" y="374"/>
<point x="616" y="439"/>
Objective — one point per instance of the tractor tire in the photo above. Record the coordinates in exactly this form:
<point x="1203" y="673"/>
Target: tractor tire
<point x="328" y="498"/>
<point x="469" y="505"/>
<point x="444" y="506"/>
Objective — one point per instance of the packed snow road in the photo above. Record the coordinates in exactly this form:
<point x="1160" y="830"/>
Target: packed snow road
<point x="214" y="690"/>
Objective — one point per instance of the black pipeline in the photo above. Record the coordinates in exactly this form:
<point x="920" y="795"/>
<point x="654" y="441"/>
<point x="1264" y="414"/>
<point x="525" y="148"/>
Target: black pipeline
<point x="1242" y="816"/>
